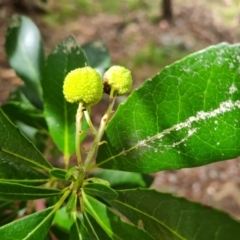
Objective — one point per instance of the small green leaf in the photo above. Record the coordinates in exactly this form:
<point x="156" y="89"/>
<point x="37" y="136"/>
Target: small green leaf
<point x="60" y="115"/>
<point x="112" y="223"/>
<point x="164" y="216"/>
<point x="98" y="55"/>
<point x="122" y="180"/>
<point x="25" y="53"/>
<point x="58" y="173"/>
<point x="72" y="172"/>
<point x="13" y="191"/>
<point x="32" y="227"/>
<point x="71" y="204"/>
<point x="19" y="159"/>
<point x="186" y="116"/>
<point x="100" y="190"/>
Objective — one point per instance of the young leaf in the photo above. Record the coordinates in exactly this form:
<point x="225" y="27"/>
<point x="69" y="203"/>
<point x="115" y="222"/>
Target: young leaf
<point x="25" y="53"/>
<point x="185" y="116"/>
<point x="14" y="191"/>
<point x="164" y="216"/>
<point x="19" y="159"/>
<point x="98" y="55"/>
<point x="32" y="227"/>
<point x="122" y="180"/>
<point x="112" y="223"/>
<point x="60" y="115"/>
<point x="100" y="190"/>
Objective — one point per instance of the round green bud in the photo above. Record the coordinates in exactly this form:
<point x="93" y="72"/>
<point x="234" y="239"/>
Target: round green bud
<point x="83" y="85"/>
<point x="118" y="79"/>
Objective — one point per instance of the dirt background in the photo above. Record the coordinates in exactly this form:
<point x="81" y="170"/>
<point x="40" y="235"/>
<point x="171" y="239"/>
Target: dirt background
<point x="127" y="34"/>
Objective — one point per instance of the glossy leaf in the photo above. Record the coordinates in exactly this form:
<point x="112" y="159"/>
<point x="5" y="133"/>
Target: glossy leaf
<point x="185" y="116"/>
<point x="112" y="223"/>
<point x="26" y="113"/>
<point x="14" y="191"/>
<point x="60" y="115"/>
<point x="98" y="55"/>
<point x="19" y="159"/>
<point x="164" y="216"/>
<point x="32" y="227"/>
<point x="125" y="180"/>
<point x="100" y="190"/>
<point x="25" y="53"/>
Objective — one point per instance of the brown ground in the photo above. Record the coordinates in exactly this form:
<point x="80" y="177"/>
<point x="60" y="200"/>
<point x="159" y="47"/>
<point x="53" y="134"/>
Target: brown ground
<point x="193" y="27"/>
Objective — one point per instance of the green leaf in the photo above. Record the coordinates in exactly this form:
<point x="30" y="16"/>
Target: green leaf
<point x="31" y="182"/>
<point x="13" y="191"/>
<point x="62" y="219"/>
<point x="71" y="204"/>
<point x="58" y="173"/>
<point x="112" y="223"/>
<point x="32" y="227"/>
<point x="19" y="159"/>
<point x="25" y="113"/>
<point x="122" y="180"/>
<point x="25" y="53"/>
<point x="98" y="55"/>
<point x="60" y="115"/>
<point x="100" y="190"/>
<point x="167" y="217"/>
<point x="186" y="116"/>
<point x="87" y="229"/>
<point x="76" y="232"/>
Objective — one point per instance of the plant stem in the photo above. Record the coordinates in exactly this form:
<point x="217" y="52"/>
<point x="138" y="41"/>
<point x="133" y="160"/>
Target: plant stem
<point x="94" y="148"/>
<point x="88" y="119"/>
<point x="61" y="200"/>
<point x="79" y="116"/>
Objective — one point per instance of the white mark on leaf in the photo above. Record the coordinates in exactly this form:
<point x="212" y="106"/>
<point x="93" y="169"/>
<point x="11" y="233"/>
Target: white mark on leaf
<point x="233" y="89"/>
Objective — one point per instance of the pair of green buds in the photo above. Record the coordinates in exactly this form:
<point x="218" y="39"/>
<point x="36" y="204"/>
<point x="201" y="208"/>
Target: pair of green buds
<point x="85" y="84"/>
